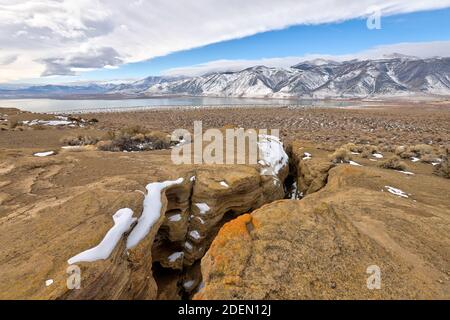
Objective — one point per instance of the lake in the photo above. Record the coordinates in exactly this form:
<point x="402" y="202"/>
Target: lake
<point x="67" y="106"/>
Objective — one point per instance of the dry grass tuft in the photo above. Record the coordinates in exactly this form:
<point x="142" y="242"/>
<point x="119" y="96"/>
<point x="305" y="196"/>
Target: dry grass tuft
<point x="368" y="150"/>
<point x="393" y="163"/>
<point x="79" y="140"/>
<point x="135" y="138"/>
<point x="341" y="155"/>
<point x="443" y="168"/>
<point x="421" y="149"/>
<point x="13" y="123"/>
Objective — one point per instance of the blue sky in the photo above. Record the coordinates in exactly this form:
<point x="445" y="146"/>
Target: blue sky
<point x="115" y="40"/>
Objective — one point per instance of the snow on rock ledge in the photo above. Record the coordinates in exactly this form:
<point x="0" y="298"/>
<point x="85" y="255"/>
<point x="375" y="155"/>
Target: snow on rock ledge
<point x="271" y="154"/>
<point x="151" y="211"/>
<point x="203" y="207"/>
<point x="123" y="219"/>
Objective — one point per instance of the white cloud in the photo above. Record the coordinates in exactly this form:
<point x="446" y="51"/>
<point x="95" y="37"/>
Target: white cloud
<point x="7" y="59"/>
<point x="63" y="36"/>
<point x="231" y="65"/>
<point x="416" y="49"/>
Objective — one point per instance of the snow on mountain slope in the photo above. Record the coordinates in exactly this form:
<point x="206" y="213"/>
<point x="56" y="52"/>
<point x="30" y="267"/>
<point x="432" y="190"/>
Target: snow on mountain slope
<point x="392" y="75"/>
<point x="255" y="82"/>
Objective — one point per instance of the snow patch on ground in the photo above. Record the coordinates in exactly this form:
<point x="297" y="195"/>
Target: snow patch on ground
<point x="353" y="163"/>
<point x="151" y="212"/>
<point x="306" y="156"/>
<point x="72" y="147"/>
<point x="396" y="191"/>
<point x="44" y="154"/>
<point x="406" y="172"/>
<point x="224" y="184"/>
<point x="123" y="219"/>
<point x="414" y="159"/>
<point x="48" y="282"/>
<point x="377" y="155"/>
<point x="48" y="122"/>
<point x="436" y="162"/>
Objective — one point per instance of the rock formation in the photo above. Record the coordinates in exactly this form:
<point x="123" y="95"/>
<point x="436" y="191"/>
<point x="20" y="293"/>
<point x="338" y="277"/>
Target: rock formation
<point x="251" y="243"/>
<point x="322" y="246"/>
<point x="58" y="206"/>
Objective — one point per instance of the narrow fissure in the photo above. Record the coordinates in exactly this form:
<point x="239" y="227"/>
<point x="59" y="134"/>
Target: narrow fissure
<point x="183" y="280"/>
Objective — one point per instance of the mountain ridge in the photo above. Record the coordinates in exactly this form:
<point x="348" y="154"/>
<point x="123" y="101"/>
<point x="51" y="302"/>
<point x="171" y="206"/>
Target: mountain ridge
<point x="391" y="76"/>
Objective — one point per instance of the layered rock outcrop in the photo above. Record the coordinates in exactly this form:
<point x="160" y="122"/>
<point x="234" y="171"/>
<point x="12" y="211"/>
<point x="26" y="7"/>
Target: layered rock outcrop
<point x="55" y="207"/>
<point x="322" y="246"/>
<point x="311" y="167"/>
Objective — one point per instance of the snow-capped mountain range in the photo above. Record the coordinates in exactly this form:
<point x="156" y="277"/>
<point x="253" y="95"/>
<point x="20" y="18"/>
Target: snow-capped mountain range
<point x="395" y="75"/>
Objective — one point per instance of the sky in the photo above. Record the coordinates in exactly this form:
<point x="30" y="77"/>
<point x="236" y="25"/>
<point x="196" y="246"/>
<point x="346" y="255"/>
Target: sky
<point x="60" y="41"/>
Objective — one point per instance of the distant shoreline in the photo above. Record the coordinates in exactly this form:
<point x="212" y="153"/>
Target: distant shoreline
<point x="76" y="106"/>
<point x="82" y="97"/>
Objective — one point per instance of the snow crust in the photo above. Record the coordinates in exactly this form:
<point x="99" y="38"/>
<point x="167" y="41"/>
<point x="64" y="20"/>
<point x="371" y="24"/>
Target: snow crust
<point x="151" y="211"/>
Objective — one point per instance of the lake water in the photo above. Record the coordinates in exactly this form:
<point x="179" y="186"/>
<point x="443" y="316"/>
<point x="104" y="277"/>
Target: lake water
<point x="53" y="105"/>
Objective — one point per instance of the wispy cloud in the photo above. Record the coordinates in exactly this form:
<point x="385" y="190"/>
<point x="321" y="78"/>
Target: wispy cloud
<point x="60" y="37"/>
